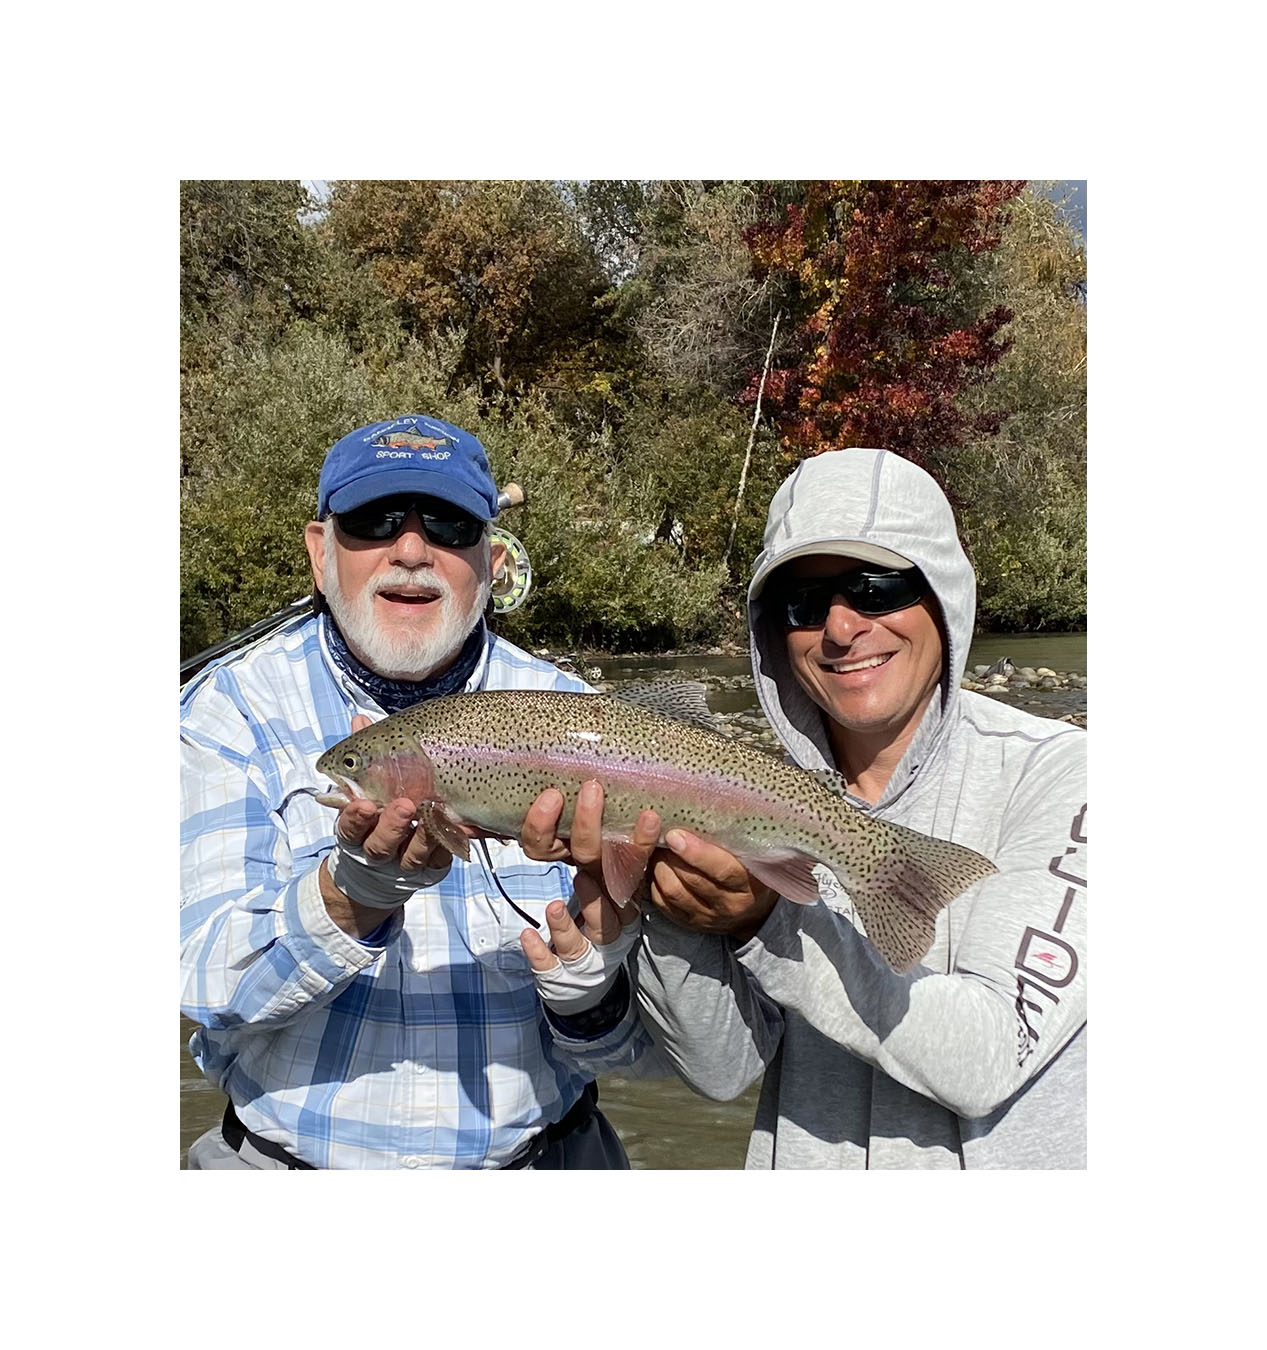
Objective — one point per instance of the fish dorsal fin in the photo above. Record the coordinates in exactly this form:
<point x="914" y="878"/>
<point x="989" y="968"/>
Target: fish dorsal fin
<point x="681" y="700"/>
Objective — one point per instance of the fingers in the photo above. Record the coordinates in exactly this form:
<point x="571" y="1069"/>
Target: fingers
<point x="389" y="834"/>
<point x="423" y="851"/>
<point x="587" y="824"/>
<point x="356" y="820"/>
<point x="707" y="861"/>
<point x="647" y="830"/>
<point x="566" y="938"/>
<point x="702" y="887"/>
<point x="360" y="722"/>
<point x="603" y="919"/>
<point x="540" y="957"/>
<point x="538" y="838"/>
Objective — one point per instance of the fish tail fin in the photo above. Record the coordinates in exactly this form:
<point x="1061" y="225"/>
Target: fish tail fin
<point x="899" y="895"/>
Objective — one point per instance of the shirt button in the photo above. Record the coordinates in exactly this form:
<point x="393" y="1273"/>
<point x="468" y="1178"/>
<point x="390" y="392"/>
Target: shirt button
<point x="340" y="962"/>
<point x="411" y="1162"/>
<point x="420" y="1068"/>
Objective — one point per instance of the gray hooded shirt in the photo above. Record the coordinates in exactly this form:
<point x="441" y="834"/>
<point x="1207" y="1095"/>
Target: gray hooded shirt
<point x="976" y="1057"/>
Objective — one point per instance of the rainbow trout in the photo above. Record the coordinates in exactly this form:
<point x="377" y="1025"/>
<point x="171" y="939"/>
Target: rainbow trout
<point x="481" y="759"/>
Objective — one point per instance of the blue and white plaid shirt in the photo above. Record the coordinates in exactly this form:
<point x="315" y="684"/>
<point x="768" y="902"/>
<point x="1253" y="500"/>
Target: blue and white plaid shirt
<point x="426" y="1048"/>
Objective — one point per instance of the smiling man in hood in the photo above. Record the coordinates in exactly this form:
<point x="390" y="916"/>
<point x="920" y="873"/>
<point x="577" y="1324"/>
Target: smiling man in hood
<point x="861" y="610"/>
<point x="365" y="1000"/>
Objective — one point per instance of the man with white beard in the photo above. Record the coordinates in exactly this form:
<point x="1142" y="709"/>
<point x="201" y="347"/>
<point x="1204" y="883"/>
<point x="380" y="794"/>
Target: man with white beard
<point x="364" y="999"/>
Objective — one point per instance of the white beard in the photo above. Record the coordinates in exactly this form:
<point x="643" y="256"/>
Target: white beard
<point x="403" y="654"/>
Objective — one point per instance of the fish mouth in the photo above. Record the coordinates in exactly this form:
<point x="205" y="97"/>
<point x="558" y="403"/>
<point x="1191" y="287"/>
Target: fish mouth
<point x="347" y="792"/>
<point x="858" y="663"/>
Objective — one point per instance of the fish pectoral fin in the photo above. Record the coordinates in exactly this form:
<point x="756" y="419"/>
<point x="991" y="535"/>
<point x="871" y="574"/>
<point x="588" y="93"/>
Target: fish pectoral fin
<point x="792" y="876"/>
<point x="444" y="830"/>
<point x="624" y="868"/>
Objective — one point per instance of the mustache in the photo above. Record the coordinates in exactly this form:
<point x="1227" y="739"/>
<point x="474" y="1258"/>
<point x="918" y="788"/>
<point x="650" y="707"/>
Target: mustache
<point x="404" y="576"/>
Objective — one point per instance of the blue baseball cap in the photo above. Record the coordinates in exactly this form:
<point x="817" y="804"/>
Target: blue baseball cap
<point x="407" y="454"/>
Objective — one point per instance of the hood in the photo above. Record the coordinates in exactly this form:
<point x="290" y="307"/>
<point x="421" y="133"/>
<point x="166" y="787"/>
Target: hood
<point x="875" y="505"/>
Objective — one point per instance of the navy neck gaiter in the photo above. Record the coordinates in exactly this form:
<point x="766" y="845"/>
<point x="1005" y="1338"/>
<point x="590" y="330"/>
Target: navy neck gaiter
<point x="394" y="696"/>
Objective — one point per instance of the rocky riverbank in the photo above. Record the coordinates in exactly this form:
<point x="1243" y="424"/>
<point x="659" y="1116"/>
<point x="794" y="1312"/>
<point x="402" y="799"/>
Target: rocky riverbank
<point x="1044" y="692"/>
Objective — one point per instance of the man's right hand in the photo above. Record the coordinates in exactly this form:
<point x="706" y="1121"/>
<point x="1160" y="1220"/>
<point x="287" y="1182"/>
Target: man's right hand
<point x="380" y="859"/>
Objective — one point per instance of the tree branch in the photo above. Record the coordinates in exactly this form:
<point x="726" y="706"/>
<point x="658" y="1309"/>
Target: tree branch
<point x="752" y="436"/>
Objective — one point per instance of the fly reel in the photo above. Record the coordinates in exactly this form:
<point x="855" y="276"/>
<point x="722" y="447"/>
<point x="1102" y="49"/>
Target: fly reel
<point x="513" y="579"/>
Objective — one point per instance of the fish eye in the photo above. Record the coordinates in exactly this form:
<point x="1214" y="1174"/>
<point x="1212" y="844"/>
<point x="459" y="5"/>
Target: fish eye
<point x="349" y="761"/>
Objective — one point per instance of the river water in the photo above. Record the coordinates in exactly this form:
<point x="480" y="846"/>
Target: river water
<point x="663" y="1124"/>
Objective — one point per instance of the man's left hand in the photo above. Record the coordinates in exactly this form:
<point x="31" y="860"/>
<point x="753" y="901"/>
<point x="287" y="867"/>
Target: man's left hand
<point x="581" y="962"/>
<point x="700" y="886"/>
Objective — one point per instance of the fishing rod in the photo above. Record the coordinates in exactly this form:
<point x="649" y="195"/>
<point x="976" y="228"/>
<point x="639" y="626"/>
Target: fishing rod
<point x="509" y="590"/>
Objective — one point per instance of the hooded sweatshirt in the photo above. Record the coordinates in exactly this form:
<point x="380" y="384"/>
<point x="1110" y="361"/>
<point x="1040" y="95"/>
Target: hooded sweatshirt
<point x="976" y="1058"/>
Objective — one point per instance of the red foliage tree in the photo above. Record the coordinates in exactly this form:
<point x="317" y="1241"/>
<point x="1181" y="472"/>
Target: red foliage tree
<point x="883" y="334"/>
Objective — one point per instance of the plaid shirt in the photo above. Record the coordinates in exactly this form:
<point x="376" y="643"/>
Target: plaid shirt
<point x="424" y="1047"/>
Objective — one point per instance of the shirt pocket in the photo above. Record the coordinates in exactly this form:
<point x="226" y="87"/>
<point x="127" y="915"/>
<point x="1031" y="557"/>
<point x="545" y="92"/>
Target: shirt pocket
<point x="503" y="875"/>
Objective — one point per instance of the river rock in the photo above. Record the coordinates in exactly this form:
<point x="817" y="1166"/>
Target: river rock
<point x="1043" y="671"/>
<point x="979" y="670"/>
<point x="994" y="680"/>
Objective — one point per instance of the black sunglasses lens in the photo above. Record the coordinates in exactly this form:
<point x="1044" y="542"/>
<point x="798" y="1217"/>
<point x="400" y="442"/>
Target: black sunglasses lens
<point x="448" y="533"/>
<point x="806" y="608"/>
<point x="374" y="520"/>
<point x="886" y="592"/>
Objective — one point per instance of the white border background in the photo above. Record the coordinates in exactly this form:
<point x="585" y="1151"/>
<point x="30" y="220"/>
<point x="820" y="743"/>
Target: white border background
<point x="110" y="108"/>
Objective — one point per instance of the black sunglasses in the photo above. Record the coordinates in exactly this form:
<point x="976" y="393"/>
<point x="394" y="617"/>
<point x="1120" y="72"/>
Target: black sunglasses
<point x="443" y="524"/>
<point x="804" y="602"/>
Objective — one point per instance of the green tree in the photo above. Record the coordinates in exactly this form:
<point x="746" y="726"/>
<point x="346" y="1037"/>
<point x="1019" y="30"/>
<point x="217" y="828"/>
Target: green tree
<point x="1022" y="494"/>
<point x="247" y="261"/>
<point x="502" y="263"/>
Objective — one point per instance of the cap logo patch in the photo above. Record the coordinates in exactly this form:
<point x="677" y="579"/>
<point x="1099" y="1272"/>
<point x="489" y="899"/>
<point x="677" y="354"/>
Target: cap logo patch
<point x="408" y="445"/>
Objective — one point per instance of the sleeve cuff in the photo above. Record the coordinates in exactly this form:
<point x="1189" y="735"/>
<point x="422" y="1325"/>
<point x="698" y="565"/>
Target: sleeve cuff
<point x="600" y="1020"/>
<point x="340" y="949"/>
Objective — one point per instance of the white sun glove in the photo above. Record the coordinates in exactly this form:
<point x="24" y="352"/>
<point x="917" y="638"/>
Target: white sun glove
<point x="378" y="883"/>
<point x="571" y="987"/>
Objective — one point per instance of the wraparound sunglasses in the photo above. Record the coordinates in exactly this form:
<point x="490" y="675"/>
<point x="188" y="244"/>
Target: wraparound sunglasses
<point x="806" y="601"/>
<point x="444" y="525"/>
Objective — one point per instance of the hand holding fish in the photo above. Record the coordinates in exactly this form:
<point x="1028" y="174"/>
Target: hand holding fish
<point x="381" y="858"/>
<point x="696" y="884"/>
<point x="700" y="886"/>
<point x="577" y="968"/>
